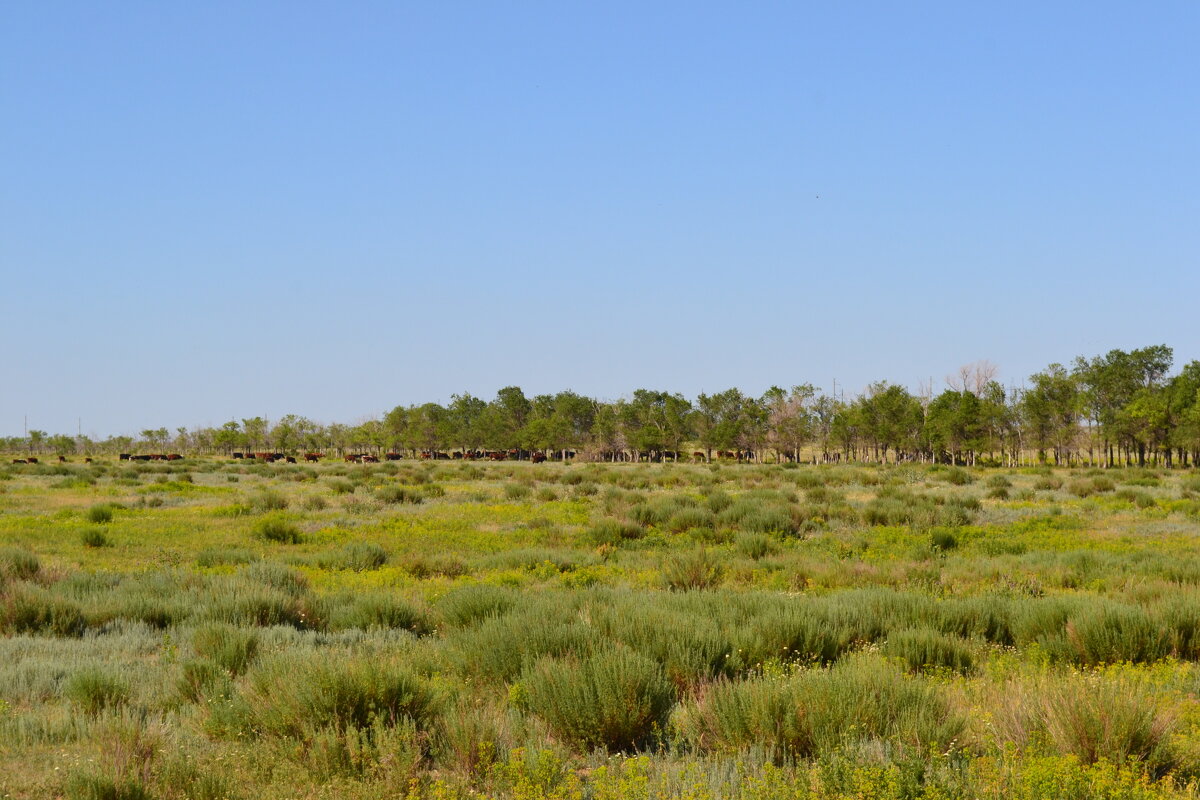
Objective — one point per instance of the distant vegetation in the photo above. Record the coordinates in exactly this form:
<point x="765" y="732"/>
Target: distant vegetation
<point x="444" y="629"/>
<point x="1120" y="408"/>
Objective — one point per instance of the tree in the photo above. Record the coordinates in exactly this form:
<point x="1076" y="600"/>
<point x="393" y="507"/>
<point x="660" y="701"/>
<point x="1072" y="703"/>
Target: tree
<point x="1050" y="411"/>
<point x="954" y="426"/>
<point x="789" y="419"/>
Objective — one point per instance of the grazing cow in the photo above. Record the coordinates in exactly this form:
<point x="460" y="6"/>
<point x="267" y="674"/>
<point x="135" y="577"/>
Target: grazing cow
<point x="537" y="458"/>
<point x="124" y="457"/>
<point x="32" y="460"/>
<point x="370" y="459"/>
<point x="62" y="459"/>
<point x="313" y="457"/>
<point x="87" y="460"/>
<point x="249" y="455"/>
<point x="174" y="457"/>
<point x="393" y="456"/>
<point x="238" y="455"/>
<point x="20" y="461"/>
<point x="291" y="459"/>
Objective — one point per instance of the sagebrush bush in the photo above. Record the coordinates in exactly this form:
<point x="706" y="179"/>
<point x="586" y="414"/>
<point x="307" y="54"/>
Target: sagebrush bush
<point x="794" y="631"/>
<point x="613" y="532"/>
<point x="16" y="563"/>
<point x="614" y="699"/>
<point x="818" y="712"/>
<point x="755" y="545"/>
<point x="922" y="649"/>
<point x="1110" y="633"/>
<point x="378" y="611"/>
<point x="498" y="649"/>
<point x="357" y="557"/>
<point x="25" y="608"/>
<point x="99" y="514"/>
<point x="92" y="690"/>
<point x="268" y="500"/>
<point x="94" y="537"/>
<point x="695" y="569"/>
<point x="295" y="695"/>
<point x="279" y="530"/>
<point x="400" y="494"/>
<point x="469" y="604"/>
<point x="232" y="649"/>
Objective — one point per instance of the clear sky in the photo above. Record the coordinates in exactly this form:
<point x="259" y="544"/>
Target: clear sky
<point x="218" y="210"/>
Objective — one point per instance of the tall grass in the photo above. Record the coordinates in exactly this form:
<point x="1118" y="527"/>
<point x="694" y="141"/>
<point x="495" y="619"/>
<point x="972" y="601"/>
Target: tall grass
<point x="614" y="699"/>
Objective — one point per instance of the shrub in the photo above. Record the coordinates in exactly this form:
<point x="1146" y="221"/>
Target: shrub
<point x="465" y="605"/>
<point x="755" y="545"/>
<point x="94" y="690"/>
<point x="1112" y="633"/>
<point x="197" y="677"/>
<point x="697" y="569"/>
<point x="314" y="502"/>
<point x="341" y="486"/>
<point x="18" y="564"/>
<point x="942" y="540"/>
<point x="103" y="787"/>
<point x="500" y="648"/>
<point x="99" y="514"/>
<point x="268" y="501"/>
<point x="94" y="537"/>
<point x="614" y="532"/>
<point x="923" y="648"/>
<point x="373" y="611"/>
<point x="357" y="557"/>
<point x="516" y="491"/>
<point x="817" y="712"/>
<point x="1093" y="717"/>
<point x="400" y="494"/>
<point x="230" y="648"/>
<point x="793" y="631"/>
<point x="276" y="529"/>
<point x="30" y="609"/>
<point x="293" y="695"/>
<point x="615" y="699"/>
<point x="959" y="477"/>
<point x="1048" y="483"/>
<point x="218" y="556"/>
<point x="688" y="518"/>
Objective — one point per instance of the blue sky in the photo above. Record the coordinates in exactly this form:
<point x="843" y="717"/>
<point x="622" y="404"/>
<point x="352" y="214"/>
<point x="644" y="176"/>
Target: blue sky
<point x="222" y="210"/>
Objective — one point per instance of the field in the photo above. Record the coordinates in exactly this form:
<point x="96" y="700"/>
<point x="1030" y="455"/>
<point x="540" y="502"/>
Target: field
<point x="211" y="629"/>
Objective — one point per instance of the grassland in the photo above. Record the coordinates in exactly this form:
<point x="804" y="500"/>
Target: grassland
<point x="210" y="629"/>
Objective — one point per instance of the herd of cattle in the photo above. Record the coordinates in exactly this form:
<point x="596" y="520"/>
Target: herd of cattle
<point x="536" y="456"/>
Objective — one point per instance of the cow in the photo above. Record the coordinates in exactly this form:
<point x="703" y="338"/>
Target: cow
<point x="62" y="459"/>
<point x="174" y="457"/>
<point x="537" y="458"/>
<point x="393" y="456"/>
<point x="20" y="461"/>
<point x="124" y="457"/>
<point x="369" y="459"/>
<point x="239" y="455"/>
<point x="32" y="460"/>
<point x="87" y="460"/>
<point x="291" y="459"/>
<point x="313" y="457"/>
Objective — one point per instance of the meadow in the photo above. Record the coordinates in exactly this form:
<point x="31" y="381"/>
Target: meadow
<point x="211" y="628"/>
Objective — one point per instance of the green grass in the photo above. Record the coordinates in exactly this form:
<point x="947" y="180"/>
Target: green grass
<point x="601" y="630"/>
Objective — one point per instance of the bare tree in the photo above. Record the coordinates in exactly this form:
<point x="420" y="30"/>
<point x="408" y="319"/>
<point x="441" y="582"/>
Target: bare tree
<point x="973" y="377"/>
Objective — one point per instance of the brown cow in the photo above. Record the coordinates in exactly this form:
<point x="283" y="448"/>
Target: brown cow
<point x="312" y="457"/>
<point x="20" y="461"/>
<point x="32" y="460"/>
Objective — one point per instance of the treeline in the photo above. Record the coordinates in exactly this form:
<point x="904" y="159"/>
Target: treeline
<point x="1119" y="408"/>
